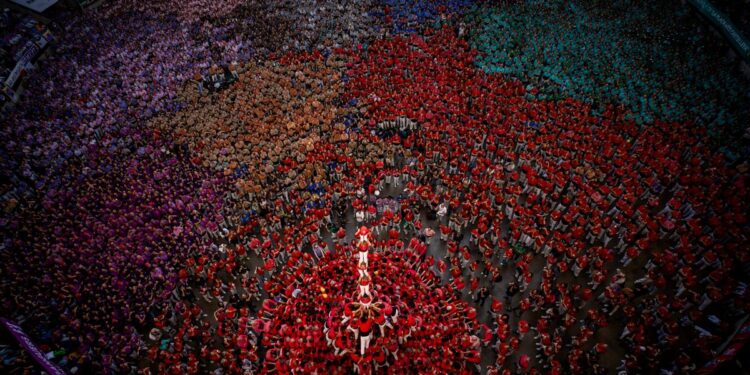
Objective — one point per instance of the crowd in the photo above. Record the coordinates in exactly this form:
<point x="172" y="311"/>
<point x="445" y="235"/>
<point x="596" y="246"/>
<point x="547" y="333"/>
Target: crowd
<point x="585" y="193"/>
<point x="71" y="144"/>
<point x="185" y="11"/>
<point x="482" y="227"/>
<point x="102" y="77"/>
<point x="569" y="196"/>
<point x="82" y="116"/>
<point x="388" y="315"/>
<point x="403" y="16"/>
<point x="662" y="69"/>
<point x="277" y="27"/>
<point x="111" y="242"/>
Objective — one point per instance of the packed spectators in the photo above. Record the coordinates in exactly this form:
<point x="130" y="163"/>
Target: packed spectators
<point x="371" y="188"/>
<point x="656" y="70"/>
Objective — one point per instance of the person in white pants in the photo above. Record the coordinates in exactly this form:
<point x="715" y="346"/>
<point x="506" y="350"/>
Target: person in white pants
<point x="364" y="343"/>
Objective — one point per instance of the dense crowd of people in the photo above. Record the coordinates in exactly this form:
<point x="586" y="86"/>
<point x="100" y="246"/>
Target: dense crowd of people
<point x="363" y="158"/>
<point x="659" y="70"/>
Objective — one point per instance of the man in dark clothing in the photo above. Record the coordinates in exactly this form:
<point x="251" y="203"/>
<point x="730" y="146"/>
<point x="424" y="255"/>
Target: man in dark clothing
<point x="482" y="296"/>
<point x="510" y="292"/>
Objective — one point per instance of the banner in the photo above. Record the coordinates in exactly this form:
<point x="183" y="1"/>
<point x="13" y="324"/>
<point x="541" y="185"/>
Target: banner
<point x="35" y="353"/>
<point x="725" y="25"/>
<point x="14" y="75"/>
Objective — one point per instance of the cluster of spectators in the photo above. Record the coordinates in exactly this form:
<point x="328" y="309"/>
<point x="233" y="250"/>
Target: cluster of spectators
<point x="158" y="227"/>
<point x="579" y="227"/>
<point x="88" y="194"/>
<point x="587" y="194"/>
<point x="656" y="66"/>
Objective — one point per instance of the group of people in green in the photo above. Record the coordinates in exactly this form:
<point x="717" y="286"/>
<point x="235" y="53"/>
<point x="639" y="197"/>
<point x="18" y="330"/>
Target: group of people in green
<point x="645" y="57"/>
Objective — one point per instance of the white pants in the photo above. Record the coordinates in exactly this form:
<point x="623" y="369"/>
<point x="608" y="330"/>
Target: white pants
<point x="364" y="343"/>
<point x="364" y="290"/>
